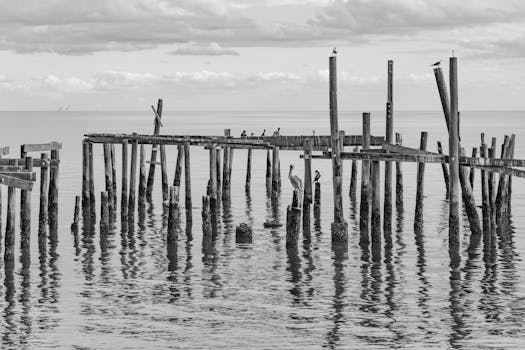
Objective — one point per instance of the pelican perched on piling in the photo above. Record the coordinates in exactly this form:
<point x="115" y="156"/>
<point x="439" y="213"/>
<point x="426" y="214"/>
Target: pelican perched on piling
<point x="295" y="180"/>
<point x="317" y="176"/>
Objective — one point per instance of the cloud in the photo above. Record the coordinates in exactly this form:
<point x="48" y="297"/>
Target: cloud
<point x="197" y="49"/>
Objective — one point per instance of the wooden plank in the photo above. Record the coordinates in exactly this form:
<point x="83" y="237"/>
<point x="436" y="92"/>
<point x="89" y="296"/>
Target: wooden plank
<point x="42" y="147"/>
<point x="22" y="175"/>
<point x="16" y="182"/>
<point x="37" y="163"/>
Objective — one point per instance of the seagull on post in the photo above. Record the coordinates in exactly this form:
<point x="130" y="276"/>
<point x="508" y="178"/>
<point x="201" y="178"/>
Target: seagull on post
<point x="436" y="64"/>
<point x="334" y="51"/>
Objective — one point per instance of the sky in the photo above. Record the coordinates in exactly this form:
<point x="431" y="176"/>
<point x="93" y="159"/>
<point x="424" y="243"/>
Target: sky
<point x="257" y="54"/>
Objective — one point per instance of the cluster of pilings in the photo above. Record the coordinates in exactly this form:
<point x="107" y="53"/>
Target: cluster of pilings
<point x="18" y="173"/>
<point x="374" y="219"/>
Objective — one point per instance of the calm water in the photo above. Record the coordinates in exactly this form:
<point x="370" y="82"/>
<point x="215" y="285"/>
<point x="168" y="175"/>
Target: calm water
<point x="124" y="291"/>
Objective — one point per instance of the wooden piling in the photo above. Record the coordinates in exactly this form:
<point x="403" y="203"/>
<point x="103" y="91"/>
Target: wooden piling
<point x="25" y="209"/>
<point x="187" y="185"/>
<point x="164" y="177"/>
<point x="275" y="171"/>
<point x="124" y="185"/>
<point x="178" y="172"/>
<point x="468" y="198"/>
<point x="108" y="177"/>
<point x="339" y="227"/>
<point x="132" y="182"/>
<point x="364" y="215"/>
<point x="153" y="159"/>
<point x="418" y="217"/>
<point x="353" y="177"/>
<point x="376" y="206"/>
<point x="206" y="218"/>
<point x="114" y="177"/>
<point x="485" y="202"/>
<point x="453" y="146"/>
<point x="472" y="170"/>
<point x="399" y="178"/>
<point x="92" y="199"/>
<point x="76" y="214"/>
<point x="307" y="171"/>
<point x="492" y="186"/>
<point x="248" y="171"/>
<point x="44" y="183"/>
<point x="268" y="171"/>
<point x="142" y="176"/>
<point x="444" y="168"/>
<point x="501" y="197"/>
<point x="389" y="138"/>
<point x="85" y="175"/>
<point x="104" y="211"/>
<point x="225" y="173"/>
<point x="219" y="175"/>
<point x="213" y="181"/>
<point x="317" y="196"/>
<point x="293" y="221"/>
<point x="509" y="182"/>
<point x="172" y="217"/>
<point x="53" y="190"/>
<point x="10" y="225"/>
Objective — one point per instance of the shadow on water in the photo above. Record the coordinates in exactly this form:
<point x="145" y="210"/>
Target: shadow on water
<point x="340" y="254"/>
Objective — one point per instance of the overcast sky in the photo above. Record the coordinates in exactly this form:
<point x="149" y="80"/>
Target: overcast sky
<point x="257" y="54"/>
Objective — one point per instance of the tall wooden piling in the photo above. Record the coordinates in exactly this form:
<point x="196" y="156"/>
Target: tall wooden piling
<point x="418" y="217"/>
<point x="53" y="190"/>
<point x="44" y="183"/>
<point x="339" y="227"/>
<point x="268" y="171"/>
<point x="275" y="171"/>
<point x="153" y="159"/>
<point x="225" y="173"/>
<point x="485" y="203"/>
<point x="114" y="177"/>
<point x="213" y="181"/>
<point x="248" y="171"/>
<point x="468" y="198"/>
<point x="108" y="177"/>
<point x="10" y="225"/>
<point x="492" y="186"/>
<point x="124" y="185"/>
<point x="164" y="176"/>
<point x="399" y="178"/>
<point x="104" y="211"/>
<point x="389" y="136"/>
<point x="187" y="184"/>
<point x="444" y="168"/>
<point x="85" y="175"/>
<point x="219" y="175"/>
<point x="172" y="217"/>
<point x="364" y="210"/>
<point x="25" y="209"/>
<point x="92" y="200"/>
<point x="472" y="170"/>
<point x="501" y="197"/>
<point x="142" y="176"/>
<point x="509" y="182"/>
<point x="132" y="182"/>
<point x="178" y="172"/>
<point x="376" y="206"/>
<point x="308" y="171"/>
<point x="453" y="146"/>
<point x="293" y="221"/>
<point x="353" y="177"/>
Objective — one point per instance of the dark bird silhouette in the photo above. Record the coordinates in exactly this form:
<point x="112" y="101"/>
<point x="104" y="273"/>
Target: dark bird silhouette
<point x="243" y="134"/>
<point x="295" y="180"/>
<point x="264" y="132"/>
<point x="334" y="51"/>
<point x="436" y="64"/>
<point x="276" y="133"/>
<point x="317" y="176"/>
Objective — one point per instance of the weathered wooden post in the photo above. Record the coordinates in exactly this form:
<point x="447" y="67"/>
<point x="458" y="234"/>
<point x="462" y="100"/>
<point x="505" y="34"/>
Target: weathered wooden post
<point x="509" y="184"/>
<point x="104" y="212"/>
<point x="213" y="183"/>
<point x="453" y="147"/>
<point x="187" y="184"/>
<point x="317" y="199"/>
<point x="92" y="200"/>
<point x="124" y="185"/>
<point x="108" y="177"/>
<point x="268" y="172"/>
<point x="172" y="217"/>
<point x="339" y="227"/>
<point x="353" y="177"/>
<point x="444" y="168"/>
<point x="468" y="198"/>
<point x="153" y="159"/>
<point x="114" y="177"/>
<point x="472" y="170"/>
<point x="485" y="208"/>
<point x="219" y="174"/>
<point x="164" y="177"/>
<point x="389" y="135"/>
<point x="85" y="175"/>
<point x="293" y="221"/>
<point x="9" y="249"/>
<point x="418" y="217"/>
<point x="178" y="172"/>
<point x="53" y="190"/>
<point x="275" y="171"/>
<point x="492" y="186"/>
<point x="376" y="206"/>
<point x="399" y="178"/>
<point x="25" y="209"/>
<point x="206" y="219"/>
<point x="503" y="179"/>
<point x="44" y="183"/>
<point x="364" y="210"/>
<point x="248" y="171"/>
<point x="142" y="176"/>
<point x="76" y="214"/>
<point x="307" y="198"/>
<point x="132" y="182"/>
<point x="225" y="173"/>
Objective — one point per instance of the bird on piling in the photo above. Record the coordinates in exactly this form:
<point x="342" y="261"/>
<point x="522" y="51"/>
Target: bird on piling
<point x="264" y="132"/>
<point x="436" y="64"/>
<point x="243" y="134"/>
<point x="317" y="176"/>
<point x="296" y="182"/>
<point x="276" y="133"/>
<point x="334" y="51"/>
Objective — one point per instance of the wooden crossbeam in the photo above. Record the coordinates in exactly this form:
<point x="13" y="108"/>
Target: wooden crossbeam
<point x="26" y="175"/>
<point x="41" y="147"/>
<point x="37" y="162"/>
<point x="16" y="182"/>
